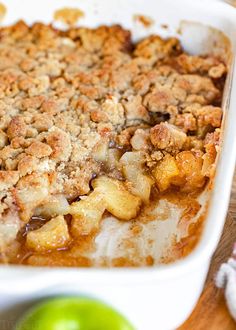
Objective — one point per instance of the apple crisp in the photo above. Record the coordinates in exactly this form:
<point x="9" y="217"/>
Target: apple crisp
<point x="93" y="124"/>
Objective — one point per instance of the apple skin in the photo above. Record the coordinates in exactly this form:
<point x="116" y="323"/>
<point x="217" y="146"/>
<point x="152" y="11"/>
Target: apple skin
<point x="73" y="313"/>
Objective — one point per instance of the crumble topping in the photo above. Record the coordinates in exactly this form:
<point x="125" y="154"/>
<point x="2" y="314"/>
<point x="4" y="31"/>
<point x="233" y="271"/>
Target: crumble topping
<point x="84" y="103"/>
<point x="146" y="21"/>
<point x="3" y="11"/>
<point x="70" y="16"/>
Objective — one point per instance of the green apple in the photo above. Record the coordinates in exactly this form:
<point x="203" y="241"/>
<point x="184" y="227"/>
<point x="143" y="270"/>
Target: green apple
<point x="73" y="313"/>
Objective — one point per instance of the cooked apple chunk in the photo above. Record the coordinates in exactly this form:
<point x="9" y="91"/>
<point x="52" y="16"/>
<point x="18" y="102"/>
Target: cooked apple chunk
<point x="165" y="171"/>
<point x="87" y="213"/>
<point x="31" y="191"/>
<point x="190" y="175"/>
<point x="100" y="151"/>
<point x="53" y="235"/>
<point x="55" y="205"/>
<point x="119" y="201"/>
<point x="141" y="183"/>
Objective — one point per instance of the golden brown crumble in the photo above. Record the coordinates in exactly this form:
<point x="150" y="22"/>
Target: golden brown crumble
<point x="85" y="112"/>
<point x="69" y="16"/>
<point x="3" y="11"/>
<point x="146" y="21"/>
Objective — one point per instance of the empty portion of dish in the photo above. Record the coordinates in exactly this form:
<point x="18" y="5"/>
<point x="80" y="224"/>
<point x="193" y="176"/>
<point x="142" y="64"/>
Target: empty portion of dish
<point x="94" y="126"/>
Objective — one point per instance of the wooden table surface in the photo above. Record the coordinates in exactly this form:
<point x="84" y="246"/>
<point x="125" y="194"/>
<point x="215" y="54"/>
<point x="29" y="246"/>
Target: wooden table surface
<point x="211" y="312"/>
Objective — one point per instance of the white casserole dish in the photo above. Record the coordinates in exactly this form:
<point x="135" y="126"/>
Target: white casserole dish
<point x="153" y="298"/>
